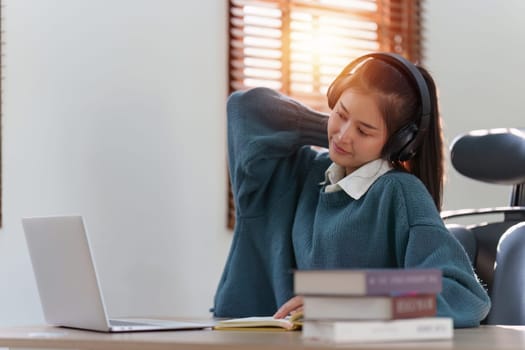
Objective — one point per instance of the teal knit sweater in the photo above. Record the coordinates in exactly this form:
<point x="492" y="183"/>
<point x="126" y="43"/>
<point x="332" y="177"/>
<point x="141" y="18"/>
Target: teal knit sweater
<point x="286" y="221"/>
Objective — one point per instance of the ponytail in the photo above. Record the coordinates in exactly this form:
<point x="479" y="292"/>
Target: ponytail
<point x="428" y="162"/>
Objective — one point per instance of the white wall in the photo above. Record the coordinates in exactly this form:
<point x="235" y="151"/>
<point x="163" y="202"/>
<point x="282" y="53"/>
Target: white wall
<point x="114" y="109"/>
<point x="475" y="52"/>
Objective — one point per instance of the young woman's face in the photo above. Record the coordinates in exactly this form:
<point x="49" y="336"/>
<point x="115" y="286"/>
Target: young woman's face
<point x="356" y="131"/>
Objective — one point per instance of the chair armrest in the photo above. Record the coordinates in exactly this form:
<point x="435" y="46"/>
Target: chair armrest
<point x="513" y="213"/>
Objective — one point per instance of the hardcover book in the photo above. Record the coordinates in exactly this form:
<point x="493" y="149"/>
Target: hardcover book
<point x="427" y="328"/>
<point x="369" y="307"/>
<point x="367" y="281"/>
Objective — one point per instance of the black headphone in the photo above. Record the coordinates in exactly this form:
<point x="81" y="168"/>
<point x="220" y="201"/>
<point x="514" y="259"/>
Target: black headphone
<point x="403" y="144"/>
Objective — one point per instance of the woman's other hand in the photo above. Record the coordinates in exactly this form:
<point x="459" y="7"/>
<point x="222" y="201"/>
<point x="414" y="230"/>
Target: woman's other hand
<point x="292" y="306"/>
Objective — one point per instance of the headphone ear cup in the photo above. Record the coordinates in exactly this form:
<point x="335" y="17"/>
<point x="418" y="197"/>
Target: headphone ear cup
<point x="398" y="147"/>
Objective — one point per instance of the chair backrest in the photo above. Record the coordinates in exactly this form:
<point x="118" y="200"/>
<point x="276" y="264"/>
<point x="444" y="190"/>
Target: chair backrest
<point x="496" y="249"/>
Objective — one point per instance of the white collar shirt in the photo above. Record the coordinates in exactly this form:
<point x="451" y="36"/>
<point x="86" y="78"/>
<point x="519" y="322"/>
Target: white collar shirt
<point x="359" y="181"/>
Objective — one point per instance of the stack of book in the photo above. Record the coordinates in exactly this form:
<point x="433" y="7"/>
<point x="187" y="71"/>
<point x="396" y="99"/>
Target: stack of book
<point x="371" y="305"/>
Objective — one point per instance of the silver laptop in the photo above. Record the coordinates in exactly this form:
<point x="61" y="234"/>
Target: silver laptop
<point x="67" y="281"/>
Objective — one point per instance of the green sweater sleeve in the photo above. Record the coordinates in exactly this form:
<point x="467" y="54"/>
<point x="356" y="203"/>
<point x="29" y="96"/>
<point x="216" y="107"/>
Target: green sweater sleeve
<point x="266" y="131"/>
<point x="269" y="158"/>
<point x="430" y="245"/>
<point x="462" y="298"/>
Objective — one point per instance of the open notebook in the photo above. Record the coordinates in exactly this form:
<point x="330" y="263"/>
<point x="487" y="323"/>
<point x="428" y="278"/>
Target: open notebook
<point x="291" y="323"/>
<point x="67" y="280"/>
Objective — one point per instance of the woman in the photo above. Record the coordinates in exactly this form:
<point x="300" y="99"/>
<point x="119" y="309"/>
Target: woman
<point x="372" y="201"/>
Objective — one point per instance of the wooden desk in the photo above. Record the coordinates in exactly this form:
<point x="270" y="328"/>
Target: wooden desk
<point x="485" y="337"/>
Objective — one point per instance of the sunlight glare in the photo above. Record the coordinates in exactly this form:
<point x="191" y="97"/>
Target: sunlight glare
<point x="320" y="43"/>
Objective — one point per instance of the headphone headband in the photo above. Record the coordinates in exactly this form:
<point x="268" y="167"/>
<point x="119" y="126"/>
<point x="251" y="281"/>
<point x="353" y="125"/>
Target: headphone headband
<point x="405" y="145"/>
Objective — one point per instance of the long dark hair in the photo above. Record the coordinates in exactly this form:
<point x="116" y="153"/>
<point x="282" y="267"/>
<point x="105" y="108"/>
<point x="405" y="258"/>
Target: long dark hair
<point x="400" y="105"/>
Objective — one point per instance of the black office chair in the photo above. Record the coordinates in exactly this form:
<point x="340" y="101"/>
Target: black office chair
<point x="496" y="249"/>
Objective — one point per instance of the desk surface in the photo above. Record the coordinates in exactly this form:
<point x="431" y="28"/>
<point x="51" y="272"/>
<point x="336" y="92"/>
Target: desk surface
<point x="485" y="337"/>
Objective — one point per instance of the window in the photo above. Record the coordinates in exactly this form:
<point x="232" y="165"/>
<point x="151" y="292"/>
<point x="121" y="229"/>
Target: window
<point x="299" y="46"/>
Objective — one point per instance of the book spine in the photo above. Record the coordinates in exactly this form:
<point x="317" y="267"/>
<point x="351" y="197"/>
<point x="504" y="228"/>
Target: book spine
<point x="380" y="331"/>
<point x="369" y="308"/>
<point x="403" y="282"/>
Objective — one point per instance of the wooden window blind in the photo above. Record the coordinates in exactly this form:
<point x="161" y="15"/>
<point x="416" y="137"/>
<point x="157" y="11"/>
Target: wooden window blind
<point x="299" y="46"/>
